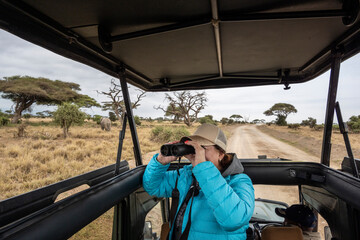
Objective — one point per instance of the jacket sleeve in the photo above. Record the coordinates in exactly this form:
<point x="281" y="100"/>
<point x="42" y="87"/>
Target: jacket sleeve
<point x="232" y="203"/>
<point x="157" y="181"/>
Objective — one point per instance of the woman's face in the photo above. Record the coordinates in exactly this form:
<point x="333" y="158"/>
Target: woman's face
<point x="211" y="154"/>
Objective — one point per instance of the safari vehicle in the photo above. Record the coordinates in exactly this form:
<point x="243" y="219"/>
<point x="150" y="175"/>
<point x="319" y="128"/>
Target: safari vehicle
<point x="169" y="45"/>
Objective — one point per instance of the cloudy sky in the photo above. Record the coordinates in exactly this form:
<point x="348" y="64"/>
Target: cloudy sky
<point x="18" y="57"/>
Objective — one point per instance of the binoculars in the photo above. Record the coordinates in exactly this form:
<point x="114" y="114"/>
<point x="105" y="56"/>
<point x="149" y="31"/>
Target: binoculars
<point x="176" y="149"/>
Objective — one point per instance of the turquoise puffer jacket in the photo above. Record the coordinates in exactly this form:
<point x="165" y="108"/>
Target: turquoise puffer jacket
<point x="222" y="209"/>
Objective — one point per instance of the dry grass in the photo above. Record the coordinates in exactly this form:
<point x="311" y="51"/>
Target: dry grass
<point x="44" y="157"/>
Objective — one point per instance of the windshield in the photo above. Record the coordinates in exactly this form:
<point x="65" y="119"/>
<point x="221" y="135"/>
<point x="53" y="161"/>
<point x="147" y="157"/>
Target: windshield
<point x="265" y="211"/>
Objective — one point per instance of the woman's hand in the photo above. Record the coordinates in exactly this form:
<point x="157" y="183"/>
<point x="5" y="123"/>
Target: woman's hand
<point x="199" y="155"/>
<point x="166" y="159"/>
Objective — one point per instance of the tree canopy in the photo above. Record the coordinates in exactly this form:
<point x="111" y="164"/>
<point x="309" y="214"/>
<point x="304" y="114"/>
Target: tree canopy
<point x="185" y="104"/>
<point x="281" y="110"/>
<point x="25" y="91"/>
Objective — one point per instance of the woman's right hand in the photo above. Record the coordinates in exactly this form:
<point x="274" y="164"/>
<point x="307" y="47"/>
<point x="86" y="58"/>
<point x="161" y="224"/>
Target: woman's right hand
<point x="166" y="159"/>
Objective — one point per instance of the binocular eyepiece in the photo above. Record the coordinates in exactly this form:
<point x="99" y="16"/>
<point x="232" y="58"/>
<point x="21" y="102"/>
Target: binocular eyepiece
<point x="176" y="149"/>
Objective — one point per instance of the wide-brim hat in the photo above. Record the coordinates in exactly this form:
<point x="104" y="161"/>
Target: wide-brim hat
<point x="208" y="135"/>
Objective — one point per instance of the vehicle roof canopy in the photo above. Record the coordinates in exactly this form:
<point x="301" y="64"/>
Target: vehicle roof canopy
<point x="182" y="45"/>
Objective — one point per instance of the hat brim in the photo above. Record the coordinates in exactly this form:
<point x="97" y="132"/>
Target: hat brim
<point x="201" y="141"/>
<point x="280" y="212"/>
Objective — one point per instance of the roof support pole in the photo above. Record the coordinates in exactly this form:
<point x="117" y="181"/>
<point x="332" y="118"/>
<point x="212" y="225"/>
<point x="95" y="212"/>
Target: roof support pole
<point x="216" y="25"/>
<point x="130" y="117"/>
<point x="330" y="108"/>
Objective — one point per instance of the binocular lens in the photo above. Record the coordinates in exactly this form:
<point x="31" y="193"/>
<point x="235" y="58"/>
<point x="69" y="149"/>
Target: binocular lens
<point x="176" y="149"/>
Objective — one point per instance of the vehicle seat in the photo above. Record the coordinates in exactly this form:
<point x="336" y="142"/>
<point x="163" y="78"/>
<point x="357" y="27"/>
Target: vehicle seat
<point x="281" y="233"/>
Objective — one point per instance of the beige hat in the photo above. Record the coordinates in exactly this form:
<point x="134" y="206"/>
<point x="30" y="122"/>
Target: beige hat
<point x="208" y="134"/>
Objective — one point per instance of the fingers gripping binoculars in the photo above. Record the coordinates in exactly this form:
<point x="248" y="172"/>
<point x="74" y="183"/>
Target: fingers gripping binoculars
<point x="176" y="149"/>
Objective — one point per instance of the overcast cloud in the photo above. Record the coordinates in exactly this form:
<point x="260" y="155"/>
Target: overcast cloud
<point x="18" y="57"/>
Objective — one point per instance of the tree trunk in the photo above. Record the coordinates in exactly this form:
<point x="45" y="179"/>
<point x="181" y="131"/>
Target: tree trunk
<point x="20" y="107"/>
<point x="66" y="131"/>
<point x="16" y="117"/>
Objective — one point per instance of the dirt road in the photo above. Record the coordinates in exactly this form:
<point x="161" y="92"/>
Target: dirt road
<point x="249" y="142"/>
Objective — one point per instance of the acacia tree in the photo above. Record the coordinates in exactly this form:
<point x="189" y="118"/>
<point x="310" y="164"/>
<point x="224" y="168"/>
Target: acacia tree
<point x="185" y="104"/>
<point x="116" y="103"/>
<point x="67" y="115"/>
<point x="281" y="111"/>
<point x="236" y="117"/>
<point x="24" y="91"/>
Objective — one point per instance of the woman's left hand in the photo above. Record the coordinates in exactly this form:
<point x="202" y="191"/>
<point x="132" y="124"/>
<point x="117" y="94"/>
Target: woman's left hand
<point x="199" y="155"/>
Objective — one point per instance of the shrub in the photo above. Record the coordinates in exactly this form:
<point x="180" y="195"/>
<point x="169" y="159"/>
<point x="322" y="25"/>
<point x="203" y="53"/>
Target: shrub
<point x="295" y="126"/>
<point x="224" y="120"/>
<point x="137" y="120"/>
<point x="207" y="119"/>
<point x="318" y="127"/>
<point x="4" y="121"/>
<point x="168" y="134"/>
<point x="311" y="122"/>
<point x="97" y="118"/>
<point x="27" y="115"/>
<point x="354" y="123"/>
<point x="112" y="117"/>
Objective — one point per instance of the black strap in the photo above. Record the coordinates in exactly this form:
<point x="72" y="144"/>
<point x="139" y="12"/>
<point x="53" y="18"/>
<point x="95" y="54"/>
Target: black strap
<point x="194" y="189"/>
<point x="185" y="234"/>
<point x="175" y="195"/>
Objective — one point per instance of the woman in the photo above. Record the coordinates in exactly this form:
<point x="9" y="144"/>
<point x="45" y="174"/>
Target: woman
<point x="223" y="203"/>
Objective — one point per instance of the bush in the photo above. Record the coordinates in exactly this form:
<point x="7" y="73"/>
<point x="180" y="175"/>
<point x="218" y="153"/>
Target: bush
<point x="224" y="120"/>
<point x="295" y="126"/>
<point x="311" y="122"/>
<point x="97" y="118"/>
<point x="137" y="120"/>
<point x="318" y="127"/>
<point x="207" y="119"/>
<point x="354" y="123"/>
<point x="4" y="121"/>
<point x="168" y="134"/>
<point x="27" y="115"/>
<point x="112" y="117"/>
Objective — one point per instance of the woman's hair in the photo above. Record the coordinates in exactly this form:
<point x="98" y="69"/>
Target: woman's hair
<point x="227" y="159"/>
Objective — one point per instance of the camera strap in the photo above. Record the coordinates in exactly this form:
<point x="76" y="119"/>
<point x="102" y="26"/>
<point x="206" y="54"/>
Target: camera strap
<point x="175" y="196"/>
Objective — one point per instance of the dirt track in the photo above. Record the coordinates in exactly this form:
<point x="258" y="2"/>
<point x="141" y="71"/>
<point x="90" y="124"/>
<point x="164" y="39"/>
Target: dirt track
<point x="249" y="142"/>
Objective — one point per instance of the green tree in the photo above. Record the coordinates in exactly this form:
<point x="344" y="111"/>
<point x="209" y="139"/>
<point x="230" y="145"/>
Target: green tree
<point x="281" y="111"/>
<point x="311" y="122"/>
<point x="224" y="120"/>
<point x="112" y="116"/>
<point x="67" y="115"/>
<point x="207" y="119"/>
<point x="187" y="104"/>
<point x="97" y="118"/>
<point x="137" y="120"/>
<point x="24" y="91"/>
<point x="354" y="122"/>
<point x="236" y="117"/>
